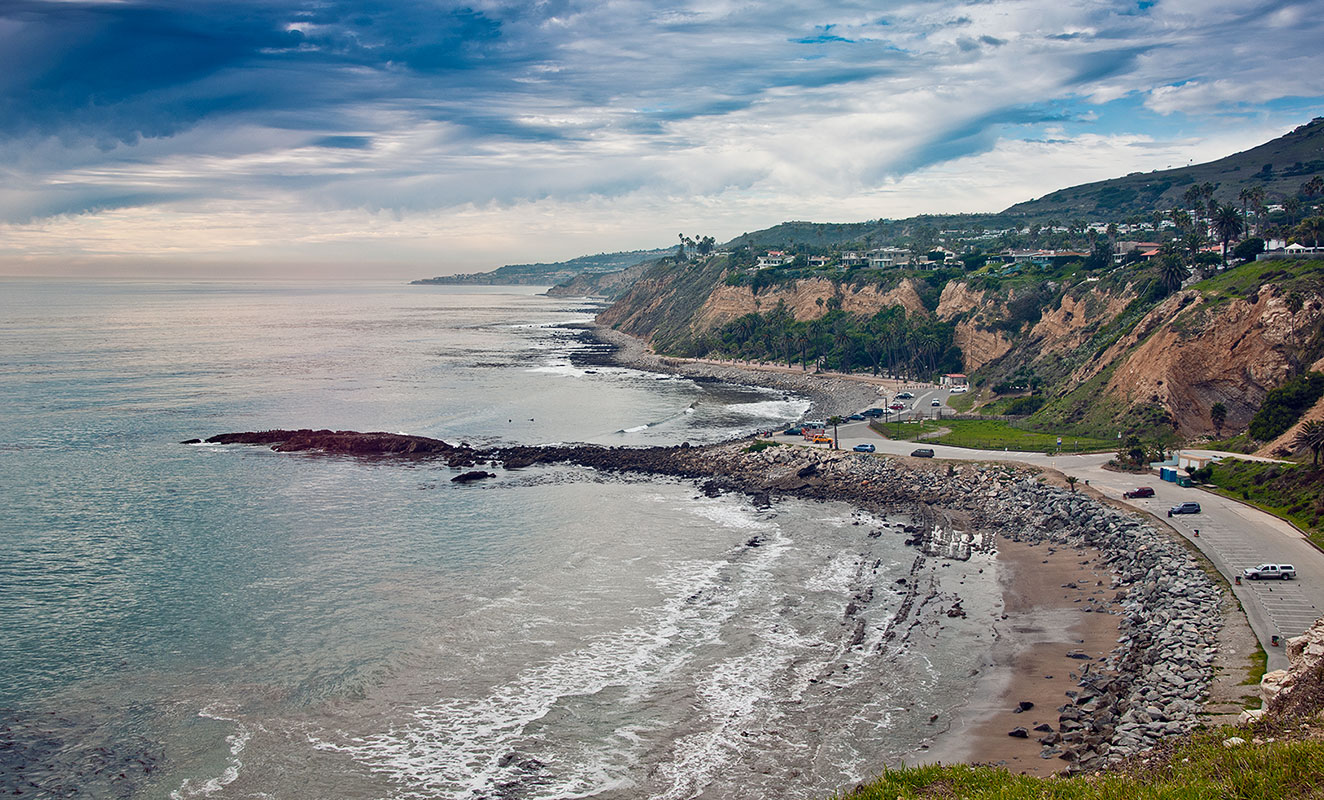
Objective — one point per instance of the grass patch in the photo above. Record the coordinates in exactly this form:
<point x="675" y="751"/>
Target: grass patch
<point x="962" y="402"/>
<point x="1259" y="664"/>
<point x="992" y="434"/>
<point x="761" y="445"/>
<point x="1292" y="491"/>
<point x="1241" y="443"/>
<point x="1197" y="769"/>
<point x="1247" y="279"/>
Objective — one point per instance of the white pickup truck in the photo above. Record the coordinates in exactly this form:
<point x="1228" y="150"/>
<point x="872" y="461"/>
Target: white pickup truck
<point x="1285" y="572"/>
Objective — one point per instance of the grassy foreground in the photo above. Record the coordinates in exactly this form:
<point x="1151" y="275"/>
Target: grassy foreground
<point x="1198" y="769"/>
<point x="991" y="434"/>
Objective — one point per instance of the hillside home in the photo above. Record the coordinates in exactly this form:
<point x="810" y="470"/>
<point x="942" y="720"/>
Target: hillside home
<point x="853" y="259"/>
<point x="818" y="261"/>
<point x="887" y="257"/>
<point x="953" y="379"/>
<point x="775" y="258"/>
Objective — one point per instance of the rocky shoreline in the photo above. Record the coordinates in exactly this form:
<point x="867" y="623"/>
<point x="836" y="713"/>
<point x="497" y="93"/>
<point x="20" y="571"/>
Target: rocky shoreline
<point x="1149" y="687"/>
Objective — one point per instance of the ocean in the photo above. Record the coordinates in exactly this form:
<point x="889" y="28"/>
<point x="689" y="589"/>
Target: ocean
<point x="186" y="621"/>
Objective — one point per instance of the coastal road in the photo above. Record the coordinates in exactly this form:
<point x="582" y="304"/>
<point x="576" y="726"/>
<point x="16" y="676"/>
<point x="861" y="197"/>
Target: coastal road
<point x="1231" y="534"/>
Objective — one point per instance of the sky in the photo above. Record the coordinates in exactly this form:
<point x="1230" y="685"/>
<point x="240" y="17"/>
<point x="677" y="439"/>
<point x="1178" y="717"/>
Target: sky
<point x="410" y="138"/>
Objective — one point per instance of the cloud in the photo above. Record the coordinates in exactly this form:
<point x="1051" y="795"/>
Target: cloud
<point x="387" y="112"/>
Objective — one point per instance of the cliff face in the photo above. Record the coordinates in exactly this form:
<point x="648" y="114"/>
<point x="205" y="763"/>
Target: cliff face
<point x="1094" y="345"/>
<point x="979" y="344"/>
<point x="1063" y="325"/>
<point x="806" y="299"/>
<point x="1189" y="354"/>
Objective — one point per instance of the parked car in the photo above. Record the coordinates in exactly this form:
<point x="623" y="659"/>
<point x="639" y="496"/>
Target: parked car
<point x="922" y="452"/>
<point x="822" y="440"/>
<point x="960" y="389"/>
<point x="936" y="403"/>
<point x="1139" y="491"/>
<point x="873" y="412"/>
<point x="864" y="448"/>
<point x="792" y="432"/>
<point x="905" y="396"/>
<point x="856" y="418"/>
<point x="1185" y="508"/>
<point x="1283" y="572"/>
<point x="897" y="406"/>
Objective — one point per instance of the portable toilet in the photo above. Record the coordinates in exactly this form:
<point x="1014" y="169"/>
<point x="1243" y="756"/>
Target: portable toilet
<point x="1168" y="474"/>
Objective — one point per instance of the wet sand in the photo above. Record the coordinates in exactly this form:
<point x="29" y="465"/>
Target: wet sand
<point x="1045" y="619"/>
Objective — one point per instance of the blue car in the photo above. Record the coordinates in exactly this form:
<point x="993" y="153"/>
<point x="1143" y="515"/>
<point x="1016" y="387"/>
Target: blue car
<point x="864" y="448"/>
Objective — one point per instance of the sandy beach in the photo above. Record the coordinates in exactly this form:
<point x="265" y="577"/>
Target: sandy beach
<point x="1046" y="591"/>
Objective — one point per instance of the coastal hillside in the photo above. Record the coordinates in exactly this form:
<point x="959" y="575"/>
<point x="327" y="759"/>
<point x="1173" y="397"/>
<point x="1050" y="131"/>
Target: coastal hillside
<point x="1278" y="167"/>
<point x="1160" y="325"/>
<point x="1084" y="352"/>
<point x="550" y="273"/>
<point x="605" y="285"/>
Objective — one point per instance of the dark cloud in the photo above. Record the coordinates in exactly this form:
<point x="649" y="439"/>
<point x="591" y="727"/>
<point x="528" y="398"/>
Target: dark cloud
<point x="122" y="72"/>
<point x="544" y="89"/>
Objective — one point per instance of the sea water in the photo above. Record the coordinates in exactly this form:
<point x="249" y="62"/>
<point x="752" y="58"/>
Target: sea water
<point x="203" y="621"/>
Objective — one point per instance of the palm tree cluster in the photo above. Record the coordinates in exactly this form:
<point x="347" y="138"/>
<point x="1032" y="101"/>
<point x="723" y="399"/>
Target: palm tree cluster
<point x="889" y="341"/>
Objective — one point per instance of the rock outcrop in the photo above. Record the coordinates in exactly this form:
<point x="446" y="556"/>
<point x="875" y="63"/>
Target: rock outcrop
<point x="1297" y="691"/>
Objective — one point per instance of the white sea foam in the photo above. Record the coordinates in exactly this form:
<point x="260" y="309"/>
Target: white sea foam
<point x="564" y="368"/>
<point x="467" y="748"/>
<point x="838" y="576"/>
<point x="770" y="409"/>
<point x="237" y="742"/>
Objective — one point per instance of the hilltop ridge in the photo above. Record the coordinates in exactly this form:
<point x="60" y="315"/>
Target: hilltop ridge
<point x="1279" y="166"/>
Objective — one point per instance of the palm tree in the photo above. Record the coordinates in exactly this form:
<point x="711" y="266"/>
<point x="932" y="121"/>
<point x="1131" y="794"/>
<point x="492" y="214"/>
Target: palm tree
<point x="1312" y="229"/>
<point x="1191" y="199"/>
<point x="1228" y="224"/>
<point x="1181" y="219"/>
<point x="1257" y="205"/>
<point x="1171" y="269"/>
<point x="834" y="422"/>
<point x="1292" y="206"/>
<point x="1218" y="416"/>
<point x="1311" y="435"/>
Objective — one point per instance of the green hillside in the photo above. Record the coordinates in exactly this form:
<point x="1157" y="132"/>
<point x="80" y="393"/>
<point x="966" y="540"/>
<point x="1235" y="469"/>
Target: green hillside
<point x="1280" y="166"/>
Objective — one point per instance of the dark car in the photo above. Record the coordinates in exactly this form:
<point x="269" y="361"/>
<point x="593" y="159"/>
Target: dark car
<point x="905" y="395"/>
<point x="864" y="448"/>
<point x="1139" y="491"/>
<point x="1185" y="508"/>
<point x="922" y="452"/>
<point x="873" y="412"/>
<point x="792" y="432"/>
<point x="856" y="417"/>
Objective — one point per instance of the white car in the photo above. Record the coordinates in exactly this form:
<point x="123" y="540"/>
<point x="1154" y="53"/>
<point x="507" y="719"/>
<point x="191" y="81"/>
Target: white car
<point x="960" y="389"/>
<point x="1283" y="572"/>
<point x="936" y="403"/>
